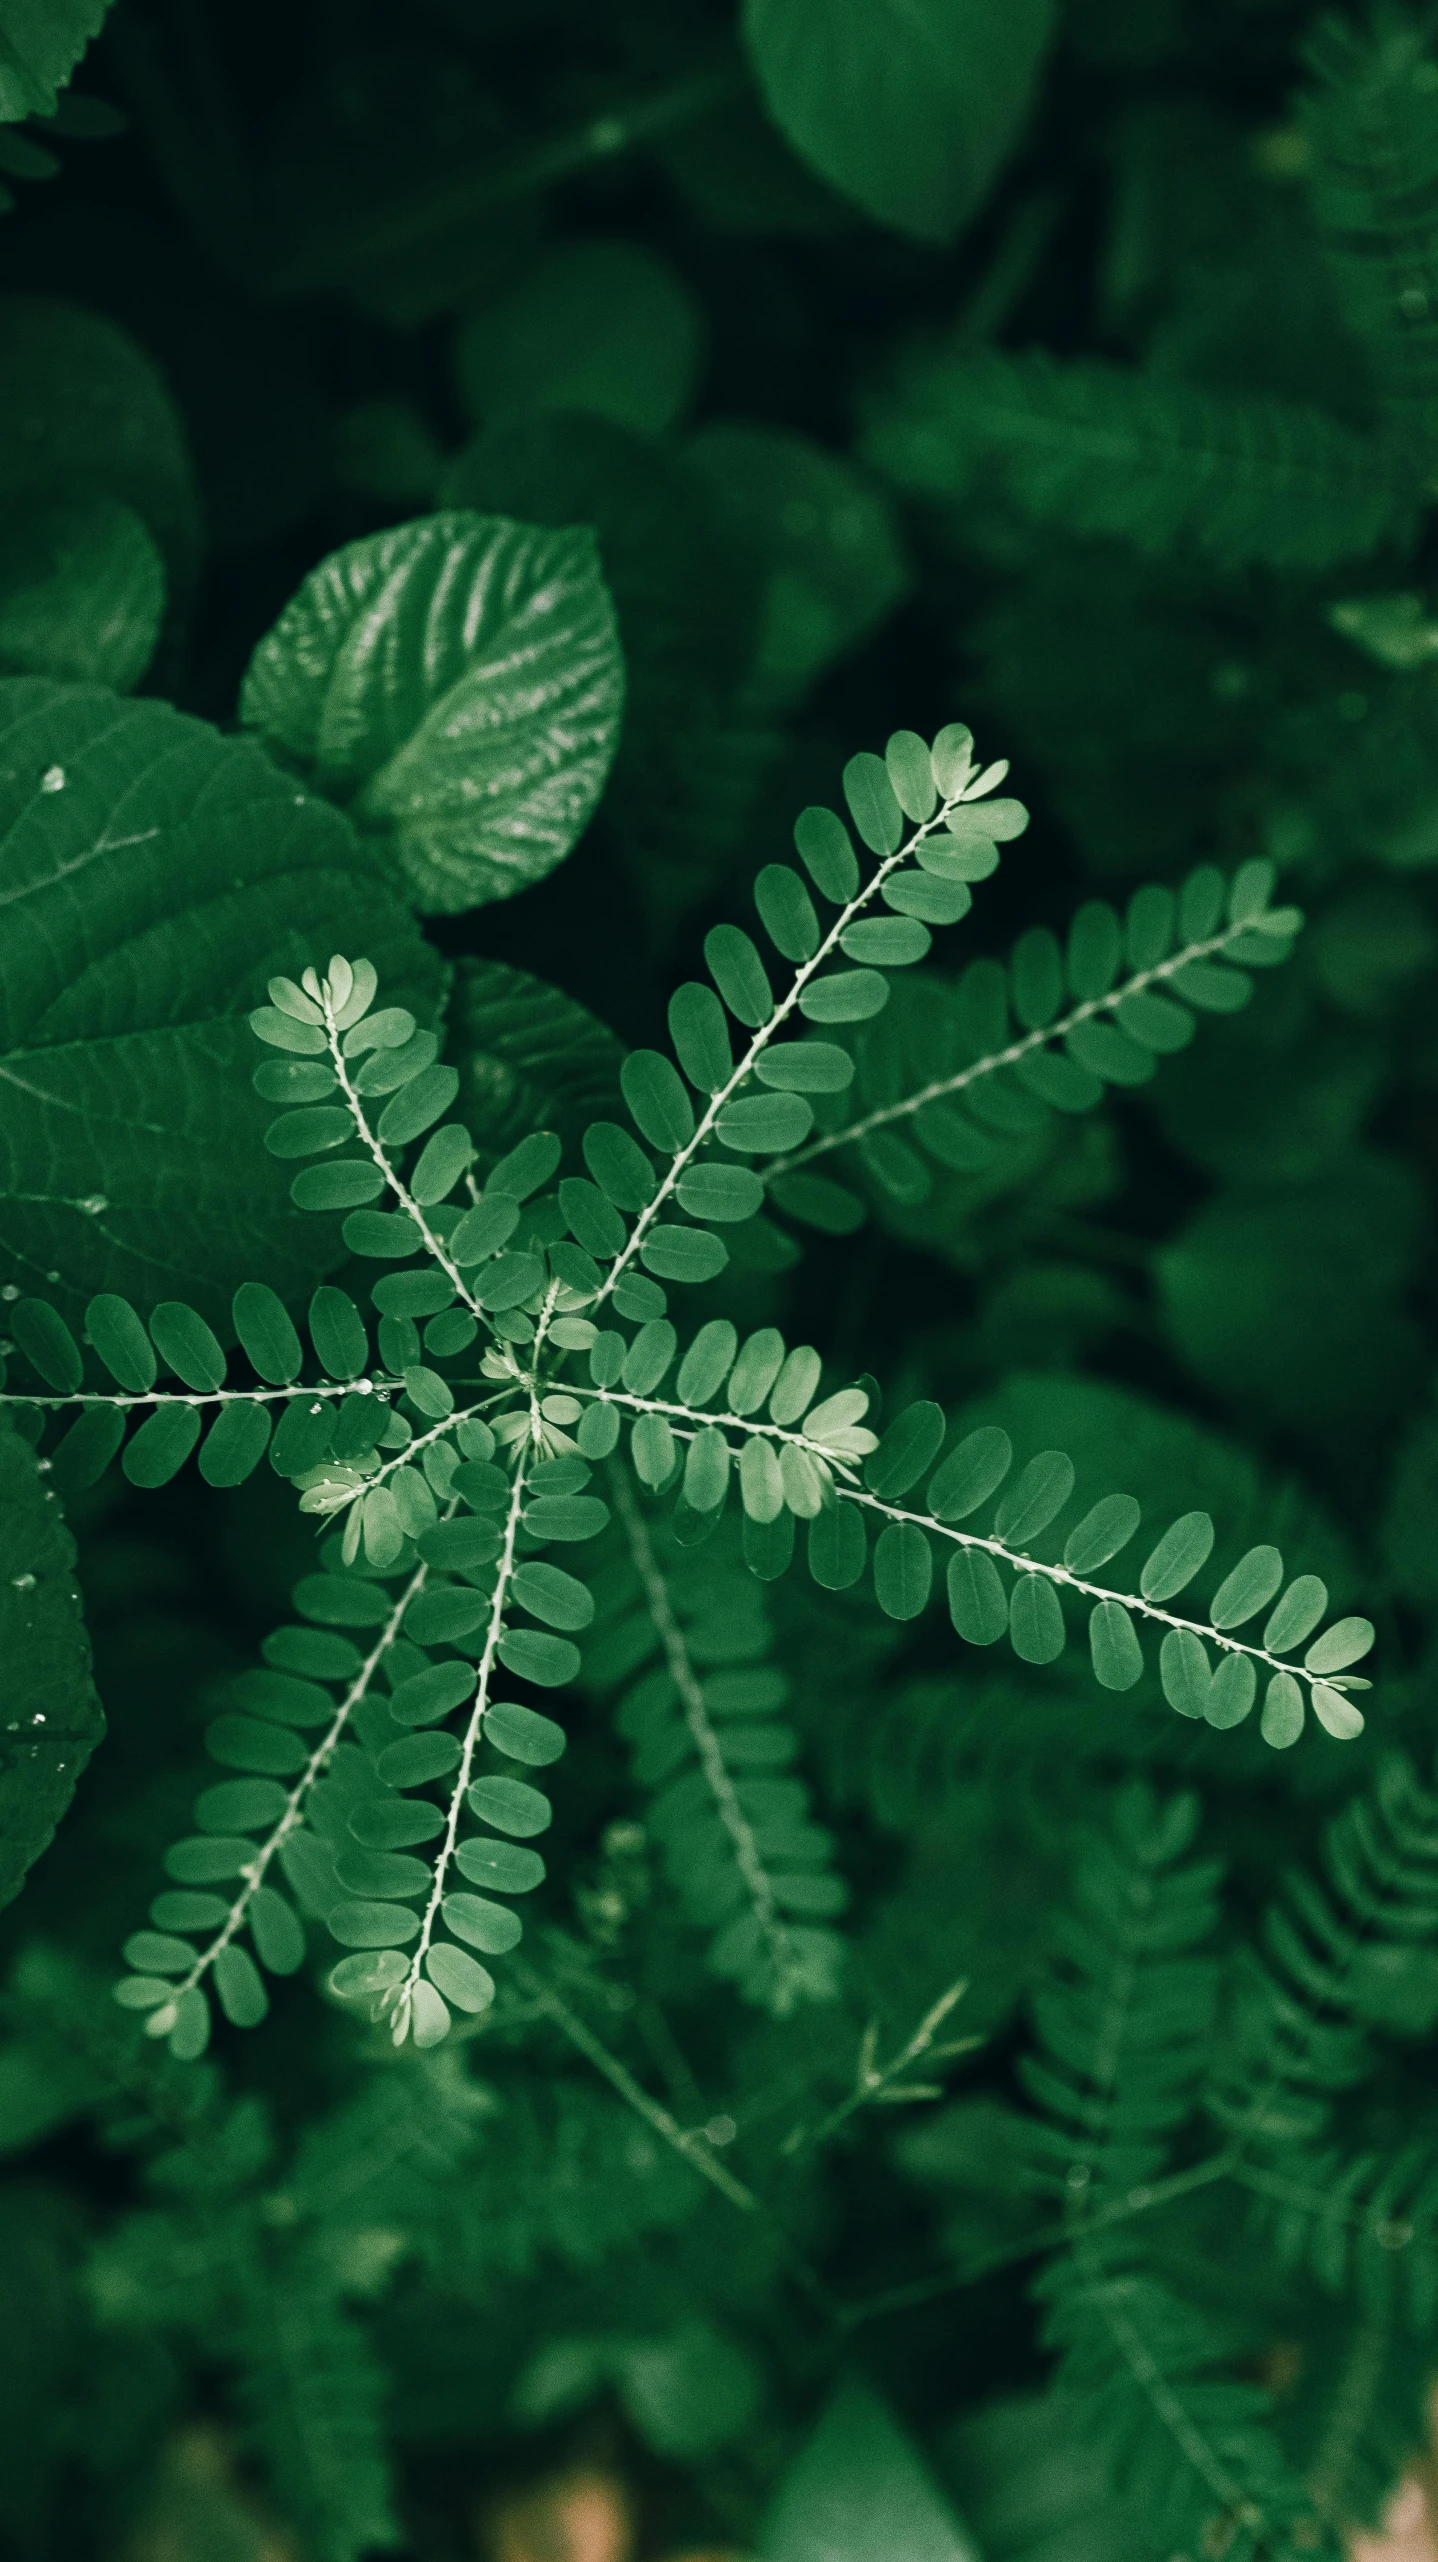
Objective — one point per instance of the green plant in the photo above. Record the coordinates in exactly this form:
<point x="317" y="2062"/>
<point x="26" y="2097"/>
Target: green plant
<point x="729" y="1505"/>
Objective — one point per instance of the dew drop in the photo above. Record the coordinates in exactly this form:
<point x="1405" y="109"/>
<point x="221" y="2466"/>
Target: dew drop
<point x="53" y="779"/>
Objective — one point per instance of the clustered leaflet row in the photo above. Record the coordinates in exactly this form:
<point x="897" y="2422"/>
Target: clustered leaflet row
<point x="444" y="1498"/>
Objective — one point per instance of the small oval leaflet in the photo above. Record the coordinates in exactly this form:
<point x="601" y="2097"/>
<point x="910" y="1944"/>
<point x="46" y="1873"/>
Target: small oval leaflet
<point x="658" y="1099"/>
<point x="909" y="1446"/>
<point x="502" y="1866"/>
<point x="1248" y="1589"/>
<point x="1114" y="1646"/>
<point x="1033" y="1501"/>
<point x="548" y="1593"/>
<point x="544" y="1660"/>
<point x="787" y="912"/>
<point x="1346" y="1642"/>
<point x="973" y="1470"/>
<point x="191" y="1348"/>
<point x="460" y="1978"/>
<point x="1282" y="1721"/>
<point x="739" y="974"/>
<point x="1099" y="1536"/>
<point x="1231" y="1692"/>
<point x="1036" y="1620"/>
<point x="512" y="1806"/>
<point x="872" y="804"/>
<point x="978" y="1604"/>
<point x="524" y="1734"/>
<point x="1184" y="1547"/>
<point x="491" y="1927"/>
<point x="827" y="853"/>
<point x="903" y="1570"/>
<point x="1296" y="1615"/>
<point x="117" y="1335"/>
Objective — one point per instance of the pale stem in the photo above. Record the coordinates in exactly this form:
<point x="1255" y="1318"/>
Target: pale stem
<point x="402" y="1998"/>
<point x="760" y="1043"/>
<point x="314" y="1769"/>
<point x="433" y="1245"/>
<point x="692" y="2145"/>
<point x="686" y="1421"/>
<point x="944" y="1086"/>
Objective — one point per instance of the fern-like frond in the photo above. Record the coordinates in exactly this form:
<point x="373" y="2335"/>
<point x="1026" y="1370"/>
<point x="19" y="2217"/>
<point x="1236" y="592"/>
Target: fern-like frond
<point x="1301" y="2032"/>
<point x="1372" y="122"/>
<point x="704" y="1717"/>
<point x="1125" y="2030"/>
<point x="968" y="1067"/>
<point x="313" y="2395"/>
<point x="1097" y="448"/>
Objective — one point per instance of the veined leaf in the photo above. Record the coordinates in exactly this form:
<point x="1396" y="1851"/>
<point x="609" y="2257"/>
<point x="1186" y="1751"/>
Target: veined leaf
<point x="130" y="1139"/>
<point x="457" y="683"/>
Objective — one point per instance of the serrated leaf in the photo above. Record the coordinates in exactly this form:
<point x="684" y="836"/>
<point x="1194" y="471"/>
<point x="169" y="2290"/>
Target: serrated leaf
<point x="457" y="684"/>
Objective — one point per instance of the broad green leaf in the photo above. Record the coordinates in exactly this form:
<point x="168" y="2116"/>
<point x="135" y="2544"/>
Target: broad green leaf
<point x="39" y="48"/>
<point x="52" y="1720"/>
<point x="909" y="109"/>
<point x="85" y="415"/>
<point x="456" y="683"/>
<point x="859" y="2491"/>
<point x="601" y="326"/>
<point x="82" y="593"/>
<point x="153" y="877"/>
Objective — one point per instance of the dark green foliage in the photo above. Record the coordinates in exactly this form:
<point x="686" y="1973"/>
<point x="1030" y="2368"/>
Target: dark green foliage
<point x="737" y="1383"/>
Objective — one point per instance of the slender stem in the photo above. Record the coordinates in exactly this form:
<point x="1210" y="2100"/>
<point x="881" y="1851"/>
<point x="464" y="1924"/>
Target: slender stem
<point x="691" y="2143"/>
<point x="762" y="1038"/>
<point x="706" y="1743"/>
<point x="404" y="1994"/>
<point x="195" y="1396"/>
<point x="870" y="2079"/>
<point x="314" y="1769"/>
<point x="1120" y="2210"/>
<point x="944" y="1086"/>
<point x="685" y="1421"/>
<point x="434" y="1246"/>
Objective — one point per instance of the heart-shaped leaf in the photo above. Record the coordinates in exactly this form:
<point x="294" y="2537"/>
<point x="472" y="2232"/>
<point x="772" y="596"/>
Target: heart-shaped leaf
<point x="457" y="684"/>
